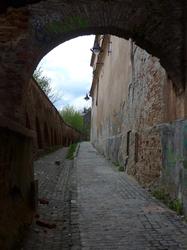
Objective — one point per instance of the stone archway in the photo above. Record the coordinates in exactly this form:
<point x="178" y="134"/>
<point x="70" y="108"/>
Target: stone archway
<point x="29" y="32"/>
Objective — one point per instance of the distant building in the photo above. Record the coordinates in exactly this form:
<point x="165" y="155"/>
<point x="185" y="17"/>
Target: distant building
<point x="86" y="123"/>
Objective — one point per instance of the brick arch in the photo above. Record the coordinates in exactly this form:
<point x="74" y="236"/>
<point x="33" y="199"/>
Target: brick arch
<point x="29" y="32"/>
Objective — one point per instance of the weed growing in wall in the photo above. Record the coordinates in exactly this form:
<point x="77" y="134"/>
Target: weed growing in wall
<point x="174" y="204"/>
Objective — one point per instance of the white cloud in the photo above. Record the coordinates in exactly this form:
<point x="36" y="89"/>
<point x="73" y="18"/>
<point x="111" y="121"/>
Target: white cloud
<point x="80" y="103"/>
<point x="68" y="66"/>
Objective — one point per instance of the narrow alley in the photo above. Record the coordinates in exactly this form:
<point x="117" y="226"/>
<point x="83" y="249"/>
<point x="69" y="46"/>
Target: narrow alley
<point x="94" y="206"/>
<point x="120" y="67"/>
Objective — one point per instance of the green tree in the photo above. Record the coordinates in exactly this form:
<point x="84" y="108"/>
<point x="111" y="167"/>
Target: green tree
<point x="45" y="84"/>
<point x="72" y="117"/>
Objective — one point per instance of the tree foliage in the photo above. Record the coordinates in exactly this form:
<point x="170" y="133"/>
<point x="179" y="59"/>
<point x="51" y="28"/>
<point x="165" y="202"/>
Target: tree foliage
<point x="72" y="117"/>
<point x="45" y="84"/>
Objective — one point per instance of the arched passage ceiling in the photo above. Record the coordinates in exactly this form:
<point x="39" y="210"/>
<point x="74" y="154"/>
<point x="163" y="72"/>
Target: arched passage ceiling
<point x="30" y="28"/>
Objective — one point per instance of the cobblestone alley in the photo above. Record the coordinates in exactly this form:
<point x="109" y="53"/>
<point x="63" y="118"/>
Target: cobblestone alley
<point x="93" y="206"/>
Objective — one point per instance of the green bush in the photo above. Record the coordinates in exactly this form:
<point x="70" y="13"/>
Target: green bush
<point x="72" y="117"/>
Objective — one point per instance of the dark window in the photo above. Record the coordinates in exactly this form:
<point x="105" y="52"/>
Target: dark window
<point x="128" y="141"/>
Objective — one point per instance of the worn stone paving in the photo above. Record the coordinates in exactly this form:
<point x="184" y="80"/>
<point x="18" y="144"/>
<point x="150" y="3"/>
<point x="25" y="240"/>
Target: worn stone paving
<point x="57" y="184"/>
<point x="96" y="207"/>
<point x="116" y="213"/>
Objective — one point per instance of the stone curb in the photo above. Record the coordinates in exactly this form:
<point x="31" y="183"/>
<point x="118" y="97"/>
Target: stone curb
<point x="76" y="151"/>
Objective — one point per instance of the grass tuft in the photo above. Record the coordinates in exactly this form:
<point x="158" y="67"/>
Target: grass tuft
<point x="119" y="167"/>
<point x="174" y="204"/>
<point x="71" y="151"/>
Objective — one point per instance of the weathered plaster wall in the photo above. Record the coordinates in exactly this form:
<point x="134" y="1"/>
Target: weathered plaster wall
<point x="134" y="105"/>
<point x="174" y="146"/>
<point x="108" y="93"/>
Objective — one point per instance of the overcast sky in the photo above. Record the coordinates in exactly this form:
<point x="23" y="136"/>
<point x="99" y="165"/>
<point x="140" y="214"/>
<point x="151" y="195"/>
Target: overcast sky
<point x="68" y="67"/>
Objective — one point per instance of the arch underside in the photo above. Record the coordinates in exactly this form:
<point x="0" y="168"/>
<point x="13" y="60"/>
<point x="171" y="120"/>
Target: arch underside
<point x="29" y="32"/>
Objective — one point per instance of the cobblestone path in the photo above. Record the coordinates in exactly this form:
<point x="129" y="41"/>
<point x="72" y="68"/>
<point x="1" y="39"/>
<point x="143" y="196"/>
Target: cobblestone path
<point x="96" y="207"/>
<point x="57" y="184"/>
<point x="116" y="213"/>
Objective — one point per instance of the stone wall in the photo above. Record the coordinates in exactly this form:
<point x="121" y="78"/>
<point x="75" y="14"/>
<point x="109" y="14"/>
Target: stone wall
<point x="144" y="109"/>
<point x="134" y="111"/>
<point x="42" y="117"/>
<point x="16" y="183"/>
<point x="174" y="161"/>
<point x="43" y="130"/>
